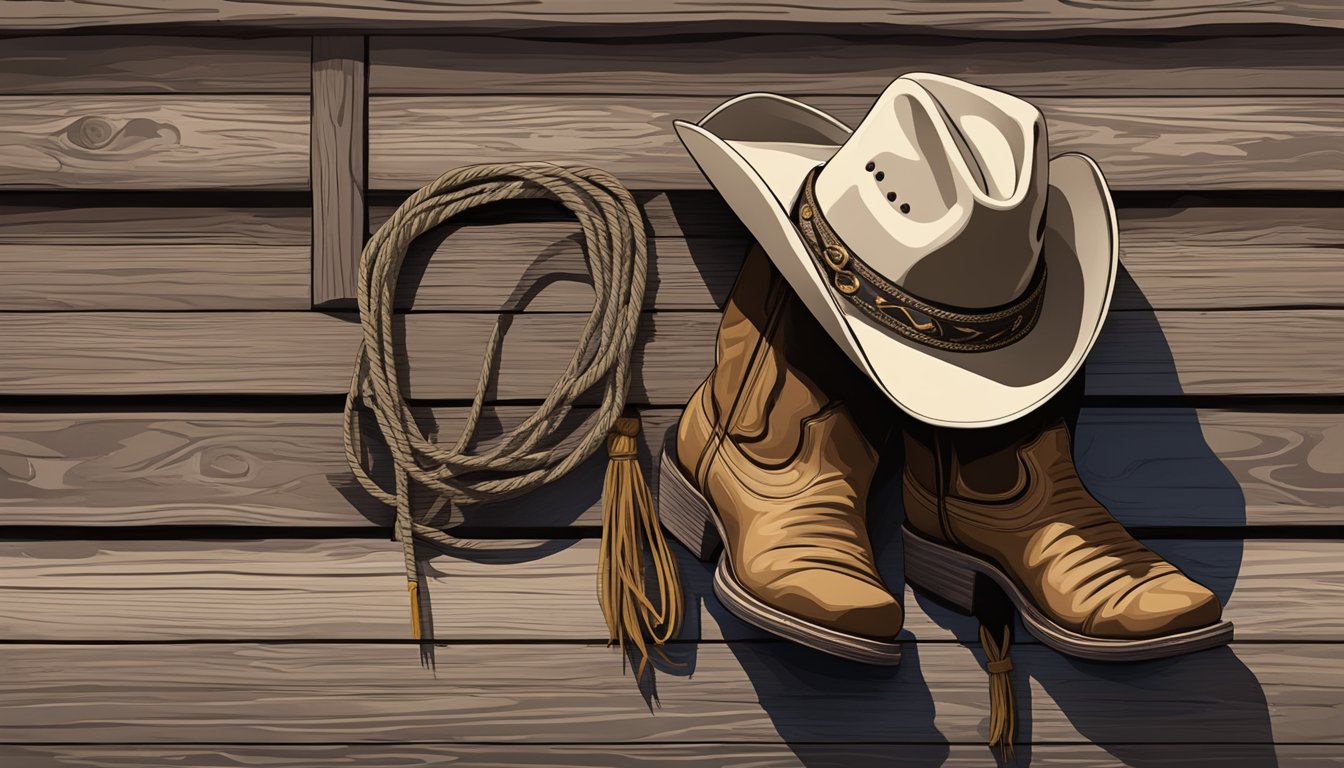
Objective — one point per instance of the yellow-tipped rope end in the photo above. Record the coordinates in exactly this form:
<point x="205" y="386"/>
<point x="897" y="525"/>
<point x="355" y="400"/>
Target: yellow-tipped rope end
<point x="413" y="590"/>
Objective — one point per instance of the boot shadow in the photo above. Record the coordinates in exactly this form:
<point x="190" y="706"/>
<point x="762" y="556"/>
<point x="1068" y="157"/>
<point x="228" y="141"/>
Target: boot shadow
<point x="1150" y="466"/>
<point x="827" y="711"/>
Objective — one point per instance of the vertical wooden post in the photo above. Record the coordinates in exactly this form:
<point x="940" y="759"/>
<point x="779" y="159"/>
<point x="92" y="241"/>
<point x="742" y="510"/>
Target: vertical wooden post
<point x="338" y="175"/>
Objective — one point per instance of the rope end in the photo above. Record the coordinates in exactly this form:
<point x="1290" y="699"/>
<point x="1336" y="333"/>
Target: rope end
<point x="413" y="590"/>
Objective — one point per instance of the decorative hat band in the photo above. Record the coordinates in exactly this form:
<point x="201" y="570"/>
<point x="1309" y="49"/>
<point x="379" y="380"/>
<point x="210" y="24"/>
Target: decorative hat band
<point x="942" y="326"/>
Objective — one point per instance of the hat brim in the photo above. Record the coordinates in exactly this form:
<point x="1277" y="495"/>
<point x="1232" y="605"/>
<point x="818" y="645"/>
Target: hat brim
<point x="756" y="150"/>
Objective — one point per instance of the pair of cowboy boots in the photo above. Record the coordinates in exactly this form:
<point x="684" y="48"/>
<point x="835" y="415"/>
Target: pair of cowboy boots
<point x="774" y="456"/>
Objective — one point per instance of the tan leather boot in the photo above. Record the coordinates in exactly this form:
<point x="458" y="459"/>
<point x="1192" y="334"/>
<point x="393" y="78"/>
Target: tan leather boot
<point x="770" y="459"/>
<point x="1007" y="504"/>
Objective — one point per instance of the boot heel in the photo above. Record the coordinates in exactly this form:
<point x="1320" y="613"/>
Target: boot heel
<point x="681" y="509"/>
<point x="939" y="572"/>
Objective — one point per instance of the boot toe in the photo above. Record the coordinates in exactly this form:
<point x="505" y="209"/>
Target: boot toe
<point x="1164" y="606"/>
<point x="840" y="602"/>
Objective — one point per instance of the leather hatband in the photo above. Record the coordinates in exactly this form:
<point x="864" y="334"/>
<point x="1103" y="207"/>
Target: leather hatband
<point x="933" y="324"/>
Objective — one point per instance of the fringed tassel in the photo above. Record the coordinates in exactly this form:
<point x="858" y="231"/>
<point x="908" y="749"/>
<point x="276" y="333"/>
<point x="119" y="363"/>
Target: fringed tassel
<point x="1002" y="709"/>
<point x="629" y="527"/>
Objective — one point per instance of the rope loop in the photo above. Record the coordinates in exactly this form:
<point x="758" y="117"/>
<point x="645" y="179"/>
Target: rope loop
<point x="528" y="455"/>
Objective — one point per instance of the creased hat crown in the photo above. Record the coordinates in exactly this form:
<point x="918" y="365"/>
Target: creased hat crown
<point x="942" y="189"/>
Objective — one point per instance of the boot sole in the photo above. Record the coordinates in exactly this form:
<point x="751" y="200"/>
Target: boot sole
<point x="950" y="576"/>
<point x="694" y="522"/>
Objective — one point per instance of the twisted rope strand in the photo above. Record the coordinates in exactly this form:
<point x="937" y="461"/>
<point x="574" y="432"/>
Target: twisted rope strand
<point x="529" y="455"/>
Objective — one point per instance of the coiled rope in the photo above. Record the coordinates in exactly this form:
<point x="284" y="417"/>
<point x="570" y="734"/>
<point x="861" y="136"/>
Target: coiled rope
<point x="529" y="455"/>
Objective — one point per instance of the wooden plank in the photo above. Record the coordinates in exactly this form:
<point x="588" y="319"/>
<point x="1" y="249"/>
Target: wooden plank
<point x="141" y="277"/>
<point x="1152" y="467"/>
<point x="813" y="65"/>
<point x="153" y="142"/>
<point x="165" y="468"/>
<point x="92" y="218"/>
<point x="750" y="692"/>
<point x="424" y="755"/>
<point x="138" y="353"/>
<point x="145" y="64"/>
<point x="1174" y="353"/>
<point x="97" y="252"/>
<point x="91" y="353"/>
<point x="1155" y="143"/>
<point x="966" y="17"/>
<point x="337" y="168"/>
<point x="342" y="589"/>
<point x="1181" y="258"/>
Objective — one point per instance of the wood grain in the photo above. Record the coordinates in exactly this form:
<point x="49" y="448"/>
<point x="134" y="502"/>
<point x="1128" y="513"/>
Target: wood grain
<point x="148" y="64"/>
<point x="153" y="142"/>
<point x="606" y="17"/>
<point x="1152" y="467"/>
<point x="138" y="277"/>
<point x="740" y="693"/>
<point x="337" y="168"/>
<point x="1173" y="258"/>
<point x="99" y="218"/>
<point x="490" y="590"/>
<point x="425" y="755"/>
<point x="90" y="353"/>
<point x="815" y="65"/>
<point x="1184" y="143"/>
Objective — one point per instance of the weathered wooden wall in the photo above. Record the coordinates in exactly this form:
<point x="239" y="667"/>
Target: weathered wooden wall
<point x="189" y="575"/>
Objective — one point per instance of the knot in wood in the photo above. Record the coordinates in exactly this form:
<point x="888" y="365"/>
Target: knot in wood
<point x="91" y="132"/>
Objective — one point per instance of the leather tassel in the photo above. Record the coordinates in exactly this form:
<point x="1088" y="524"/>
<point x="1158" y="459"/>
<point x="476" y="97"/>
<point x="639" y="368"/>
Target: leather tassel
<point x="629" y="528"/>
<point x="413" y="590"/>
<point x="1002" y="707"/>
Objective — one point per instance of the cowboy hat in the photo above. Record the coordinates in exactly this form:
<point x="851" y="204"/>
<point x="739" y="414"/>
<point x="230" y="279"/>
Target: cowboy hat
<point x="959" y="267"/>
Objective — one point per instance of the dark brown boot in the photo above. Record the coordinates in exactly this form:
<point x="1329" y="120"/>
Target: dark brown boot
<point x="770" y="458"/>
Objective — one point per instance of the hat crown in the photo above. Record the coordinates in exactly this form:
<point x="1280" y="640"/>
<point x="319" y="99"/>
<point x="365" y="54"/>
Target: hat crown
<point x="941" y="182"/>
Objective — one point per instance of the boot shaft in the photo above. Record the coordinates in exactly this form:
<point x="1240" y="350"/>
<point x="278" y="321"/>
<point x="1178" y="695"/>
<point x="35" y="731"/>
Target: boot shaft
<point x="775" y="368"/>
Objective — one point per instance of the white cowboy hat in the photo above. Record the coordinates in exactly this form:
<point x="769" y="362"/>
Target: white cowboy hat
<point x="958" y="266"/>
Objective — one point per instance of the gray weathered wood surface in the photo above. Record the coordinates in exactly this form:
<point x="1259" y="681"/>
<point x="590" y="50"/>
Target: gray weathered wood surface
<point x="597" y="17"/>
<point x="738" y="693"/>
<point x="1139" y="353"/>
<point x="1155" y="143"/>
<point x="153" y="142"/>
<point x="355" y="589"/>
<point x="1154" y="467"/>
<point x="161" y="247"/>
